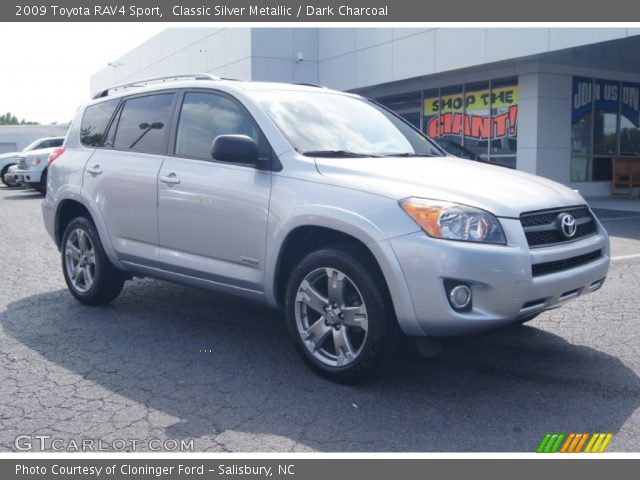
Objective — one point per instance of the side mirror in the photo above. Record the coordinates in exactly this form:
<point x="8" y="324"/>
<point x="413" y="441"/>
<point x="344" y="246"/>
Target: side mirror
<point x="235" y="149"/>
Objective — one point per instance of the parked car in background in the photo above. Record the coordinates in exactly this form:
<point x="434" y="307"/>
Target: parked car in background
<point x="8" y="159"/>
<point x="32" y="165"/>
<point x="319" y="202"/>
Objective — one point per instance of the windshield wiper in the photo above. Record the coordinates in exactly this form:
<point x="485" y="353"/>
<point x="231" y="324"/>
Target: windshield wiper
<point x="336" y="153"/>
<point x="409" y="154"/>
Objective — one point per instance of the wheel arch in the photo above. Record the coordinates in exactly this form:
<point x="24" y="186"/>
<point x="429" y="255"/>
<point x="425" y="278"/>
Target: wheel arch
<point x="74" y="204"/>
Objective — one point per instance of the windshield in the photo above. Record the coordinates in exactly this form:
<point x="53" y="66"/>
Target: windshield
<point x="32" y="145"/>
<point x="329" y="124"/>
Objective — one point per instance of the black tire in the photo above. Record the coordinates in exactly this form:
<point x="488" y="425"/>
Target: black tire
<point x="42" y="186"/>
<point x="107" y="281"/>
<point x="365" y="282"/>
<point x="2" y="174"/>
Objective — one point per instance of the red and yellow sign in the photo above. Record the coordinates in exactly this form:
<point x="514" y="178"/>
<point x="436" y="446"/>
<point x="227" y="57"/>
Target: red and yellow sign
<point x="468" y="114"/>
<point x="503" y="97"/>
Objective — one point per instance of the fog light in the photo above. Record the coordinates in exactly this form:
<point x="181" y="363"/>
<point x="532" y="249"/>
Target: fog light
<point x="460" y="296"/>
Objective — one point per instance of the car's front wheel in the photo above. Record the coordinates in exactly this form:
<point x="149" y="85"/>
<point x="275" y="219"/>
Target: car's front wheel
<point x="90" y="276"/>
<point x="42" y="186"/>
<point x="339" y="314"/>
<point x="3" y="179"/>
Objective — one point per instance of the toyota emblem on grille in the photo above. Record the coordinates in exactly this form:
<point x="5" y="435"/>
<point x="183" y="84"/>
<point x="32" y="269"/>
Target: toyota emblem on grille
<point x="567" y="225"/>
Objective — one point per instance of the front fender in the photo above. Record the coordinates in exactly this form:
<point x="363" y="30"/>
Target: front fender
<point x="358" y="227"/>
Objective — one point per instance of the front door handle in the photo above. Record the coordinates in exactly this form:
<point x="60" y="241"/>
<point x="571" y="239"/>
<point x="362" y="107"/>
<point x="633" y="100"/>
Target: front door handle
<point x="170" y="179"/>
<point x="95" y="170"/>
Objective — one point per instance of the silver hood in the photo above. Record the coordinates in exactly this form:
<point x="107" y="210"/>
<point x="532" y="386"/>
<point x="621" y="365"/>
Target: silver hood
<point x="501" y="191"/>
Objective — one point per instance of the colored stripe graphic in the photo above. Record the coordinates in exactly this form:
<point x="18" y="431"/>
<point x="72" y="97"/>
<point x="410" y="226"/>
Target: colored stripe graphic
<point x="565" y="447"/>
<point x="543" y="443"/>
<point x="598" y="442"/>
<point x="554" y="442"/>
<point x="581" y="442"/>
<point x="550" y="443"/>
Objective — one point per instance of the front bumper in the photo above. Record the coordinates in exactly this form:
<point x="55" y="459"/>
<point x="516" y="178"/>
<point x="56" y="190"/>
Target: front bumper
<point x="504" y="288"/>
<point x="28" y="176"/>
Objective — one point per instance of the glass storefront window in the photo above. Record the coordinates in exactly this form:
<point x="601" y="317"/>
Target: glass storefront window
<point x="478" y="100"/>
<point x="581" y="136"/>
<point x="406" y="105"/>
<point x="605" y="133"/>
<point x="579" y="169"/>
<point x="629" y="137"/>
<point x="605" y="123"/>
<point x="479" y="118"/>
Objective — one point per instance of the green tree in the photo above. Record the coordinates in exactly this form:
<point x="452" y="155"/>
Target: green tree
<point x="10" y="119"/>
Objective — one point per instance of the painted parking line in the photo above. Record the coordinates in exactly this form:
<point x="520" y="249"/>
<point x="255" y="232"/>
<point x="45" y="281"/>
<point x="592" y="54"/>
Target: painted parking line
<point x="626" y="257"/>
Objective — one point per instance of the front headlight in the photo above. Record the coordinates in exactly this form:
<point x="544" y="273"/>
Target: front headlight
<point x="453" y="221"/>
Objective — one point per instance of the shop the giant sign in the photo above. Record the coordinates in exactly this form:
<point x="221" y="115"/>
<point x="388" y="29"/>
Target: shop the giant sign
<point x="468" y="113"/>
<point x="607" y="95"/>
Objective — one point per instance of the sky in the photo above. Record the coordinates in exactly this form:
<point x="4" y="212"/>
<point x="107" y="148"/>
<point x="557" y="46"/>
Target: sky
<point x="45" y="67"/>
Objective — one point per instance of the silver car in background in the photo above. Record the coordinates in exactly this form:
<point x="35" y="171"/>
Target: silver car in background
<point x="318" y="202"/>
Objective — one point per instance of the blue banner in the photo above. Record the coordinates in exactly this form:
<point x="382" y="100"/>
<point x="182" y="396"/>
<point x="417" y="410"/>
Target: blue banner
<point x="606" y="95"/>
<point x="630" y="97"/>
<point x="581" y="98"/>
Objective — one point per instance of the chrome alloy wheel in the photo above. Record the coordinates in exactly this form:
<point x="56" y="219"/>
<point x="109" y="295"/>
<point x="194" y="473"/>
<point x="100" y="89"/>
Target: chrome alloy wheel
<point x="80" y="260"/>
<point x="331" y="317"/>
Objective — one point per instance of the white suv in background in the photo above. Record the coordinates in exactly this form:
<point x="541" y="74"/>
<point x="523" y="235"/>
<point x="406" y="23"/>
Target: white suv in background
<point x="32" y="165"/>
<point x="322" y="203"/>
<point x="9" y="159"/>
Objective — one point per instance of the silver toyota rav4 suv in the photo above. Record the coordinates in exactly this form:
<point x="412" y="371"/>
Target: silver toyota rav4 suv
<point x="319" y="202"/>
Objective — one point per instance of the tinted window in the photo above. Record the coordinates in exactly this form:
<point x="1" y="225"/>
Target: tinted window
<point x="203" y="117"/>
<point x="144" y="124"/>
<point x="53" y="142"/>
<point x="94" y="122"/>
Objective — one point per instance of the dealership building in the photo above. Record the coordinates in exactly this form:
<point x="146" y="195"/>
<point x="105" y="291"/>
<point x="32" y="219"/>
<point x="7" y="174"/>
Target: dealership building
<point x="557" y="102"/>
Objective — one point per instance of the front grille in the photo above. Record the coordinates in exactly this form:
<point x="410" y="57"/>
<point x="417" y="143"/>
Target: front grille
<point x="542" y="228"/>
<point x="22" y="163"/>
<point x="564" y="264"/>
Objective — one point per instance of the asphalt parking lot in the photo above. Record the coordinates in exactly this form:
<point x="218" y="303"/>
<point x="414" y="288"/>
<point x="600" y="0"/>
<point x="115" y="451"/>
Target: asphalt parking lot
<point x="169" y="363"/>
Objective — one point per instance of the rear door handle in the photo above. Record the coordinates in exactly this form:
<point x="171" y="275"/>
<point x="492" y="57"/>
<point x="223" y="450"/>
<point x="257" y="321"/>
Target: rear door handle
<point x="170" y="179"/>
<point x="95" y="170"/>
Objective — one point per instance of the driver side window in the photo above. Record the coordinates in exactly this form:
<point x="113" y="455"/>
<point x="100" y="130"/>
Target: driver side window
<point x="203" y="117"/>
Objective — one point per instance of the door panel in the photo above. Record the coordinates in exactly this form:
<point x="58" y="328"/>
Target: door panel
<point x="213" y="223"/>
<point x="124" y="187"/>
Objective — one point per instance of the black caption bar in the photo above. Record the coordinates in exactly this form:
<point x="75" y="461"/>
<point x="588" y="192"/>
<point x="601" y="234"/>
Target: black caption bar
<point x="308" y="469"/>
<point x="319" y="11"/>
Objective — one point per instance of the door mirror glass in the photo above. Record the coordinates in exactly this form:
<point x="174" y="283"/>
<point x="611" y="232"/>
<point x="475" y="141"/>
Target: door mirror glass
<point x="235" y="149"/>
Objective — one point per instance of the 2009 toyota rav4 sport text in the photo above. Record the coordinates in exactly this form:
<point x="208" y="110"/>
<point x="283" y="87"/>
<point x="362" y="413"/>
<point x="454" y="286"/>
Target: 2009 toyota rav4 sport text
<point x="319" y="202"/>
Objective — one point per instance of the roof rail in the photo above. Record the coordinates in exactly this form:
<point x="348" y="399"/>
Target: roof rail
<point x="144" y="83"/>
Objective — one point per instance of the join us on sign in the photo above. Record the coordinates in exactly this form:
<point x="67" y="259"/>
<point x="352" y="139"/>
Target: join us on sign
<point x="606" y="95"/>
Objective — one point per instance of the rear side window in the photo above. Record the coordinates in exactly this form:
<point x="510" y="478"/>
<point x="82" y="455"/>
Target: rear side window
<point x="95" y="121"/>
<point x="203" y="117"/>
<point x="144" y="124"/>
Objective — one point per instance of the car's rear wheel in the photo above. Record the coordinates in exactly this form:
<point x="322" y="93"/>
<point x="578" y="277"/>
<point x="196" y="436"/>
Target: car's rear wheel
<point x="339" y="314"/>
<point x="90" y="276"/>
